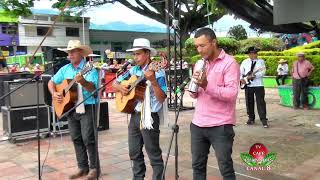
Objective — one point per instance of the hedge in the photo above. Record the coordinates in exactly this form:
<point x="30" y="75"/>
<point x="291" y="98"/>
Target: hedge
<point x="264" y="44"/>
<point x="272" y="64"/>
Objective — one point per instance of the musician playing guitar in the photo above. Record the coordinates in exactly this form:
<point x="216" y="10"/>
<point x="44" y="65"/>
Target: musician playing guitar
<point x="80" y="121"/>
<point x="253" y="69"/>
<point x="144" y="123"/>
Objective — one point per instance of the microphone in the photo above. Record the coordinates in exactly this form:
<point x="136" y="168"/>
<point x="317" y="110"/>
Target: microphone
<point x="125" y="65"/>
<point x="183" y="85"/>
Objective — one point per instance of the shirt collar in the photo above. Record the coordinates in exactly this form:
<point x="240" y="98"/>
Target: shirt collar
<point x="80" y="66"/>
<point x="221" y="56"/>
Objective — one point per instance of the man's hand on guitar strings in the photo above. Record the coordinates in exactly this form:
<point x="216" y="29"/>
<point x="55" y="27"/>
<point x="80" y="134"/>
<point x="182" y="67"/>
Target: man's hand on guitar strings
<point x="124" y="89"/>
<point x="79" y="79"/>
<point x="57" y="96"/>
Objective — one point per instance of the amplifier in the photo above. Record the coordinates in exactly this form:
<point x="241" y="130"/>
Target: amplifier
<point x="103" y="121"/>
<point x="23" y="121"/>
<point x="25" y="96"/>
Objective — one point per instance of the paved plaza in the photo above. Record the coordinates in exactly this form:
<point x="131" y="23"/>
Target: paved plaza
<point x="292" y="135"/>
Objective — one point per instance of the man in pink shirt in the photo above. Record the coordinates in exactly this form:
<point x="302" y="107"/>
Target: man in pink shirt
<point x="214" y="116"/>
<point x="301" y="71"/>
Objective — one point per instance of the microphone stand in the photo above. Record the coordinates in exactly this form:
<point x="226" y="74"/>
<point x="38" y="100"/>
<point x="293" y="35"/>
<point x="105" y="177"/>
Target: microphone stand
<point x="36" y="78"/>
<point x="175" y="131"/>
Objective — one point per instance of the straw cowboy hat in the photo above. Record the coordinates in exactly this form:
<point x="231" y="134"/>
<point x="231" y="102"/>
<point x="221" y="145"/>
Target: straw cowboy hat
<point x="142" y="43"/>
<point x="76" y="44"/>
<point x="282" y="61"/>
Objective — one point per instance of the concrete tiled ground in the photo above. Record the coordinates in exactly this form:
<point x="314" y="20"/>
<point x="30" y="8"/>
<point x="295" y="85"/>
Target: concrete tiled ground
<point x="292" y="136"/>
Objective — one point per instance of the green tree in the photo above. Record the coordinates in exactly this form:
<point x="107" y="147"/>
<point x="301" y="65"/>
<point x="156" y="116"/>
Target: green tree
<point x="195" y="13"/>
<point x="237" y="32"/>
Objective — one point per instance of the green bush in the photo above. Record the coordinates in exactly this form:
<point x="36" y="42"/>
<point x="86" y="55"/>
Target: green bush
<point x="264" y="44"/>
<point x="230" y="45"/>
<point x="272" y="64"/>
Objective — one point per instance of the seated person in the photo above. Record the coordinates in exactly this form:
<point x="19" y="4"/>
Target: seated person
<point x="282" y="71"/>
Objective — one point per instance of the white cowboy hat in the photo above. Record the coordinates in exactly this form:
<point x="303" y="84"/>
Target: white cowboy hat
<point x="142" y="43"/>
<point x="76" y="44"/>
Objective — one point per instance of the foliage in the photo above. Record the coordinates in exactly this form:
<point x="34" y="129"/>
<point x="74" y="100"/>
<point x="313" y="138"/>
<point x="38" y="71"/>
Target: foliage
<point x="272" y="64"/>
<point x="237" y="32"/>
<point x="230" y="45"/>
<point x="17" y="7"/>
<point x="264" y="44"/>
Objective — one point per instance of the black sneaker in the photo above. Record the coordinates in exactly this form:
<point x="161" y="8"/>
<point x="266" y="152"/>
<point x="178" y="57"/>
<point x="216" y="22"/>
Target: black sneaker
<point x="249" y="122"/>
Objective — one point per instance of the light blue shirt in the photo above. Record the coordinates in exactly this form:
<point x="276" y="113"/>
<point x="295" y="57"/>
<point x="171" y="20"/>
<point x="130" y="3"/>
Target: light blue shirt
<point x="246" y="67"/>
<point x="69" y="72"/>
<point x="160" y="76"/>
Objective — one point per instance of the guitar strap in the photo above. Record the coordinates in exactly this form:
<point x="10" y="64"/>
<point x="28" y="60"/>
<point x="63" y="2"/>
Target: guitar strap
<point x="146" y="118"/>
<point x="253" y="64"/>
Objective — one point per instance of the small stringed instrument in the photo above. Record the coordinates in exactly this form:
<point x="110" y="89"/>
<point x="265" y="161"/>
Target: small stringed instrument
<point x="69" y="92"/>
<point x="245" y="77"/>
<point x="137" y="87"/>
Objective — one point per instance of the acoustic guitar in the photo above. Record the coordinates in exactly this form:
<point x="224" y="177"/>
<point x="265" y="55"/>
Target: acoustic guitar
<point x="69" y="91"/>
<point x="137" y="87"/>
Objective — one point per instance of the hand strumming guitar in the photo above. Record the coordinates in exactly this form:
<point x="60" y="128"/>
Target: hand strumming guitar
<point x="124" y="89"/>
<point x="57" y="96"/>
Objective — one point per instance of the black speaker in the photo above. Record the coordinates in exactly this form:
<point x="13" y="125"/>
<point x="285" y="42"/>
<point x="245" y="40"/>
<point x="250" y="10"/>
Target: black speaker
<point x="25" y="96"/>
<point x="11" y="77"/>
<point x="104" y="117"/>
<point x="55" y="58"/>
<point x="23" y="121"/>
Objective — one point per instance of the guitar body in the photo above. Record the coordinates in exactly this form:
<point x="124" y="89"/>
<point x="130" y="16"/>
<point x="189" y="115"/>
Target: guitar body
<point x="126" y="104"/>
<point x="68" y="99"/>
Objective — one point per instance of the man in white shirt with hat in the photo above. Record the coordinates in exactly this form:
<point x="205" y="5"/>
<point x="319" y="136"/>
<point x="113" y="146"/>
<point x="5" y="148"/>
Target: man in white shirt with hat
<point x="144" y="122"/>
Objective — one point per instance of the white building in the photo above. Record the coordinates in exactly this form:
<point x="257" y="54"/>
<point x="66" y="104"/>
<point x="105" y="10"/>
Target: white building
<point x="33" y="29"/>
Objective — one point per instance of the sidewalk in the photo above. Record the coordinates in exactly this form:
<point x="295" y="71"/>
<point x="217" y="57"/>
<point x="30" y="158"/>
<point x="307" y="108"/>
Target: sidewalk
<point x="292" y="135"/>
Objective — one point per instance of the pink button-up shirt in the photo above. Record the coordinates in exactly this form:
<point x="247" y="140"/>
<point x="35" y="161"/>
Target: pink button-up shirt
<point x="216" y="103"/>
<point x="305" y="68"/>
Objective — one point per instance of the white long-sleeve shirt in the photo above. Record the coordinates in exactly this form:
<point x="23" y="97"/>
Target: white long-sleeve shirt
<point x="283" y="69"/>
<point x="245" y="67"/>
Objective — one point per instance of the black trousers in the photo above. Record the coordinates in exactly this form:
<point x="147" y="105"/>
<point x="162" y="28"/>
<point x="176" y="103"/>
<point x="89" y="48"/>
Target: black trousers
<point x="300" y="92"/>
<point x="282" y="77"/>
<point x="82" y="134"/>
<point x="150" y="139"/>
<point x="221" y="139"/>
<point x="259" y="92"/>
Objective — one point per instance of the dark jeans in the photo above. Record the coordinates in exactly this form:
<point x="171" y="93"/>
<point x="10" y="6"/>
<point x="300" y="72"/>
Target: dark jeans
<point x="282" y="77"/>
<point x="221" y="139"/>
<point x="300" y="90"/>
<point x="82" y="135"/>
<point x="261" y="104"/>
<point x="150" y="138"/>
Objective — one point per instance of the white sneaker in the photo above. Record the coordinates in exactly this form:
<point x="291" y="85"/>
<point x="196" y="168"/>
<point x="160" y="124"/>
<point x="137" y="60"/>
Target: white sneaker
<point x="318" y="125"/>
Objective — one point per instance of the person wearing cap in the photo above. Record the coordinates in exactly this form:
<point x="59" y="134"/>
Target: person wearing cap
<point x="301" y="72"/>
<point x="254" y="69"/>
<point x="214" y="117"/>
<point x="144" y="122"/>
<point x="80" y="121"/>
<point x="282" y="71"/>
